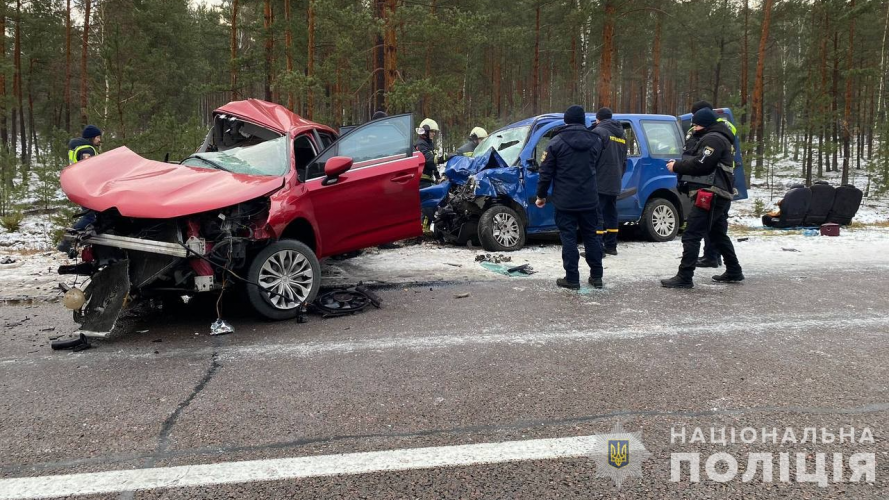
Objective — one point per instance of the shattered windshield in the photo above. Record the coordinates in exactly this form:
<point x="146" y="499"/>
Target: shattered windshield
<point x="508" y="143"/>
<point x="265" y="158"/>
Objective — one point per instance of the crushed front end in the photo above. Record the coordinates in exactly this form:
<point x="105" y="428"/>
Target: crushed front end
<point x="129" y="259"/>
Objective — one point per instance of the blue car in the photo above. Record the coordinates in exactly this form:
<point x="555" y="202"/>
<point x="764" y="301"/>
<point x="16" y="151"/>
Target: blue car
<point x="489" y="199"/>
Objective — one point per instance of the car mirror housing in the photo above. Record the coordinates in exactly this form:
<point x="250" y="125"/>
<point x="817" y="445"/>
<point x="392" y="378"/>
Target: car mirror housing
<point x="335" y="167"/>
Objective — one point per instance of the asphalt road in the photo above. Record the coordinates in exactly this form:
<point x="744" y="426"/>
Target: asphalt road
<point x="516" y="360"/>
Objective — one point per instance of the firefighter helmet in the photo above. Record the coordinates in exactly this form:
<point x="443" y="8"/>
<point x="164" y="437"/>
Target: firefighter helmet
<point x="478" y="133"/>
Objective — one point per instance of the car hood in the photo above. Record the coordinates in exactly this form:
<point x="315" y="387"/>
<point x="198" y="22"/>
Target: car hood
<point x="143" y="188"/>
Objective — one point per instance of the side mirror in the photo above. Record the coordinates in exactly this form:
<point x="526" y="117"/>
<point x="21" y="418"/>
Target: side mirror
<point x="335" y="167"/>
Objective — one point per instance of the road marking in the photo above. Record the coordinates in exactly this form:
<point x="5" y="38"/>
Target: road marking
<point x="293" y="468"/>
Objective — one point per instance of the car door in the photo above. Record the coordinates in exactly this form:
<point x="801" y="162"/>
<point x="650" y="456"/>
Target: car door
<point x="540" y="220"/>
<point x="376" y="201"/>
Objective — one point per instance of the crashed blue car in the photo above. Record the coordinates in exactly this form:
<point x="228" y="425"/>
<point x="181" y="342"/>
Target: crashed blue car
<point x="489" y="199"/>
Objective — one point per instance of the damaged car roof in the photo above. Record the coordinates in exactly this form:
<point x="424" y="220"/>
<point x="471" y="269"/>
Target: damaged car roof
<point x="273" y="116"/>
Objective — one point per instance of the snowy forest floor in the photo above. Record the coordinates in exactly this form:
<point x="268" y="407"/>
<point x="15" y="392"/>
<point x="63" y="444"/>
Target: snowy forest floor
<point x="32" y="275"/>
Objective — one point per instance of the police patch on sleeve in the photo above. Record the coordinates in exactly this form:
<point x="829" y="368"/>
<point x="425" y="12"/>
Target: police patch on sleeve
<point x="543" y="157"/>
<point x="707" y="152"/>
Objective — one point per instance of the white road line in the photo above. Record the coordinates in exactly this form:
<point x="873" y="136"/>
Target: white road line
<point x="291" y="468"/>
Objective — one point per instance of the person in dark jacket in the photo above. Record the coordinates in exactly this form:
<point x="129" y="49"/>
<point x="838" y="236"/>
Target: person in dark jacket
<point x="711" y="257"/>
<point x="81" y="148"/>
<point x="569" y="165"/>
<point x="609" y="172"/>
<point x="86" y="145"/>
<point x="708" y="172"/>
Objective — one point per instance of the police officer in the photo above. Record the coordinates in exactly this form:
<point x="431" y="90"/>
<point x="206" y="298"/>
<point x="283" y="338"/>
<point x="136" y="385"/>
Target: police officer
<point x="476" y="136"/>
<point x="425" y="144"/>
<point x="711" y="257"/>
<point x="609" y="172"/>
<point x="81" y="148"/>
<point x="569" y="164"/>
<point x="86" y="145"/>
<point x="707" y="173"/>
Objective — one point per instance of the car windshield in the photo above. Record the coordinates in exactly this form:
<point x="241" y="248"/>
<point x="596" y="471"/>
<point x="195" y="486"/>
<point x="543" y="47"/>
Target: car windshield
<point x="508" y="143"/>
<point x="266" y="158"/>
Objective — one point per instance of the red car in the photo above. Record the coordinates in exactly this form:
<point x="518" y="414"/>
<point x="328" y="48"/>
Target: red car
<point x="264" y="198"/>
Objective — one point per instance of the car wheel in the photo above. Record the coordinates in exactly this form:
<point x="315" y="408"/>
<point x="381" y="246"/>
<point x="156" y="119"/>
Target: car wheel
<point x="660" y="220"/>
<point x="288" y="268"/>
<point x="500" y="229"/>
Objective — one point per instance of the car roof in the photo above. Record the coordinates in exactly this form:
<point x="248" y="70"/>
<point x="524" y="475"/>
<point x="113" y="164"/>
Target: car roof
<point x="270" y="115"/>
<point x="591" y="116"/>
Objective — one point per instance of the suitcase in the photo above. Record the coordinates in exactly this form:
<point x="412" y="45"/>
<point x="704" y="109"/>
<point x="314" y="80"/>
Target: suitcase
<point x="830" y="229"/>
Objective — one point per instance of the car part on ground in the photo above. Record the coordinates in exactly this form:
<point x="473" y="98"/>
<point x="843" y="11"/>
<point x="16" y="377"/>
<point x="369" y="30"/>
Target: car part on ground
<point x="80" y="343"/>
<point x="345" y="302"/>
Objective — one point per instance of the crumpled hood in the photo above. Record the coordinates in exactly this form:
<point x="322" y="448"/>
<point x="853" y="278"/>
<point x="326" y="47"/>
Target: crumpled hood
<point x="142" y="188"/>
<point x="578" y="137"/>
<point x="459" y="168"/>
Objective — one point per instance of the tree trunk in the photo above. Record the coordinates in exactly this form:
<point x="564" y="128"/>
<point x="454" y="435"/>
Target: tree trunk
<point x="4" y="133"/>
<point x="427" y="73"/>
<point x="535" y="70"/>
<point x="84" y="114"/>
<point x="758" y="122"/>
<point x="847" y="112"/>
<point x="391" y="49"/>
<point x="288" y="49"/>
<point x="310" y="65"/>
<point x="267" y="26"/>
<point x="31" y="122"/>
<point x="379" y="61"/>
<point x="605" y="64"/>
<point x="234" y="50"/>
<point x="17" y="80"/>
<point x="745" y="77"/>
<point x="834" y="118"/>
<point x="656" y="64"/>
<point x="67" y="66"/>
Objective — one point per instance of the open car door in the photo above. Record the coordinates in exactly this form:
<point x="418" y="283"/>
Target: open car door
<point x="740" y="178"/>
<point x="376" y="199"/>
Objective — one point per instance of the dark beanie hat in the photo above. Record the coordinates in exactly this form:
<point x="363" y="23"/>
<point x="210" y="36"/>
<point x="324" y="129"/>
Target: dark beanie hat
<point x="91" y="131"/>
<point x="575" y="114"/>
<point x="699" y="106"/>
<point x="603" y="114"/>
<point x="704" y="117"/>
<point x="378" y="115"/>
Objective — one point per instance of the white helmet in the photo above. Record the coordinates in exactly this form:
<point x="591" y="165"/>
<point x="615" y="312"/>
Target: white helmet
<point x="430" y="123"/>
<point x="478" y="133"/>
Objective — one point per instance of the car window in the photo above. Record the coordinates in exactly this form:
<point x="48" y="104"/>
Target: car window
<point x="303" y="151"/>
<point x="374" y="142"/>
<point x="508" y="143"/>
<point x="630" y="136"/>
<point x="664" y="139"/>
<point x="326" y="139"/>
<point x="543" y="143"/>
<point x="266" y="158"/>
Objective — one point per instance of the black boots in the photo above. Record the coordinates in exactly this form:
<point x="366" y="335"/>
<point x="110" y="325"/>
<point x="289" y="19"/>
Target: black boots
<point x="729" y="277"/>
<point x="705" y="262"/>
<point x="596" y="282"/>
<point x="677" y="282"/>
<point x="563" y="283"/>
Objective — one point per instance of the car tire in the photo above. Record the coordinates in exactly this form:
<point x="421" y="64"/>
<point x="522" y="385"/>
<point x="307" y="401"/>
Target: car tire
<point x="660" y="220"/>
<point x="500" y="229"/>
<point x="297" y="265"/>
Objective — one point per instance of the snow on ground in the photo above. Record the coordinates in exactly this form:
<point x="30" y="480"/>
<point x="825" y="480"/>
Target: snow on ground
<point x="765" y="251"/>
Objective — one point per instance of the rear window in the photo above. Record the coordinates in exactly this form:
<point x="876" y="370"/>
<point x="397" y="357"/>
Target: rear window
<point x="664" y="139"/>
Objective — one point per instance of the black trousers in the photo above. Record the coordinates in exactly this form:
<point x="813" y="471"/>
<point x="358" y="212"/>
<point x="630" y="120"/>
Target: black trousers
<point x="712" y="223"/>
<point x="710" y="251"/>
<point x="608" y="220"/>
<point x="568" y="224"/>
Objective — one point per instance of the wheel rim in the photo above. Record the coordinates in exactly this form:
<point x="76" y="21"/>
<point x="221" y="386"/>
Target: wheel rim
<point x="664" y="221"/>
<point x="289" y="275"/>
<point x="506" y="229"/>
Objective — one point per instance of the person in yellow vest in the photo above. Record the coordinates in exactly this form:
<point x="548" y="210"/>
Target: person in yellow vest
<point x="85" y="146"/>
<point x="79" y="149"/>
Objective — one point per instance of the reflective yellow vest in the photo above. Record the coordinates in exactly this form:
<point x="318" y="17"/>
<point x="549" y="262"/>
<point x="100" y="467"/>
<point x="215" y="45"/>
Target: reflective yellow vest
<point x="72" y="153"/>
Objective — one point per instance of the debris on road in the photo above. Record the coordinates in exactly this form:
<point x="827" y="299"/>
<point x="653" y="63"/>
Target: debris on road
<point x="7" y="260"/>
<point x="493" y="257"/>
<point x="516" y="271"/>
<point x="743" y="239"/>
<point x="789" y="249"/>
<point x="523" y="269"/>
<point x="461" y="295"/>
<point x="220" y="327"/>
<point x="80" y="343"/>
<point x="454" y="265"/>
<point x="348" y="301"/>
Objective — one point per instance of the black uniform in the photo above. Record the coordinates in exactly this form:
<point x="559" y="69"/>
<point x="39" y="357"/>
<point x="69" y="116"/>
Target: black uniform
<point x="569" y="165"/>
<point x="430" y="171"/>
<point x="466" y="149"/>
<point x="709" y="167"/>
<point x="609" y="172"/>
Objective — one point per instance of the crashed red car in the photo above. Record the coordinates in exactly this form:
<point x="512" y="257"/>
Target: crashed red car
<point x="264" y="198"/>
